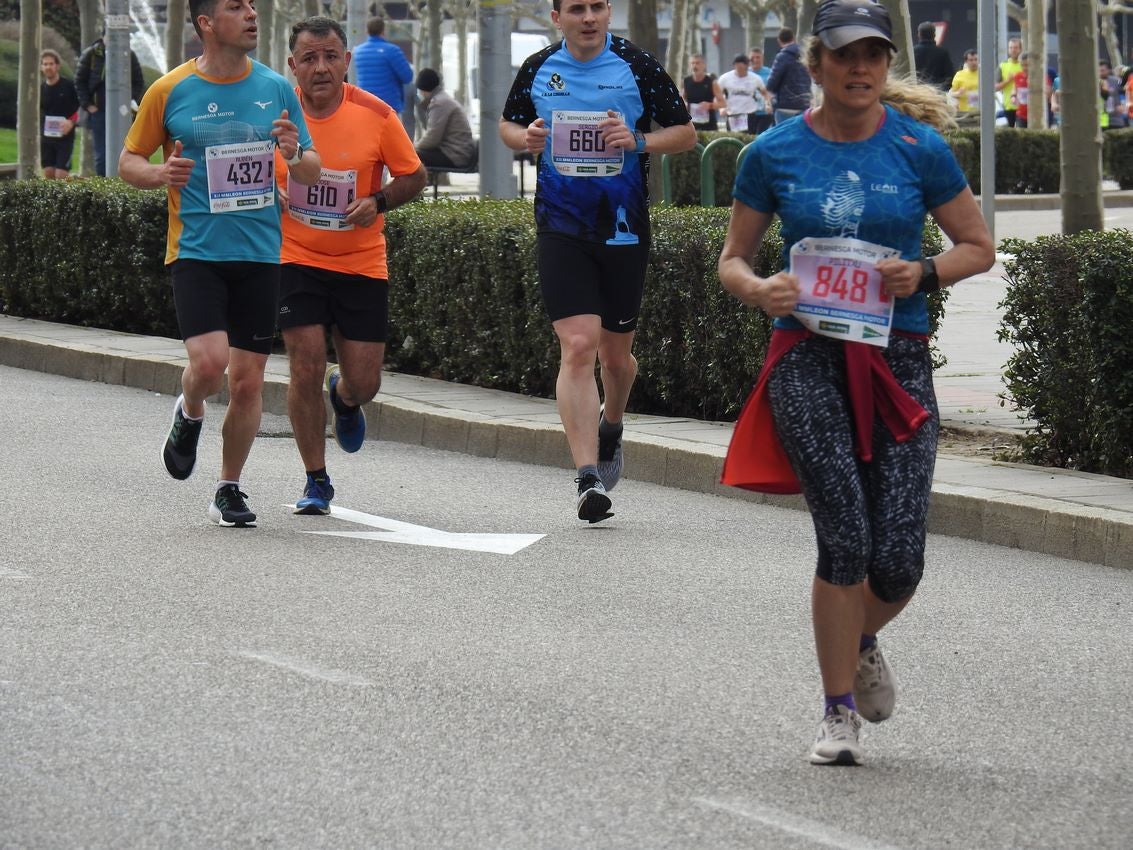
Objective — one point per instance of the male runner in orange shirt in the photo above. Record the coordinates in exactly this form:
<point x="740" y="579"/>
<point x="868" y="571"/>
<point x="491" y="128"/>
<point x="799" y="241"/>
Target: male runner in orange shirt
<point x="334" y="259"/>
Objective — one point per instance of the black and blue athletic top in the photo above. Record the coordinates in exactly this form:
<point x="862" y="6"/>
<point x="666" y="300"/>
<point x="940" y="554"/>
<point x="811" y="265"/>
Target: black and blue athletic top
<point x="623" y="78"/>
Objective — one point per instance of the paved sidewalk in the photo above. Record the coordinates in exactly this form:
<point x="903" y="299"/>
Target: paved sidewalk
<point x="1074" y="515"/>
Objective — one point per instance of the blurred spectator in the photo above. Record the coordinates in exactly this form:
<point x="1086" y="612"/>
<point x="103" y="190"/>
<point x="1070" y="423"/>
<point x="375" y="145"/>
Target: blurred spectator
<point x="790" y="80"/>
<point x="90" y="84"/>
<point x="702" y="94"/>
<point x="1007" y="71"/>
<point x="966" y="85"/>
<point x="381" y="67"/>
<point x="744" y="93"/>
<point x="1109" y="88"/>
<point x="934" y="65"/>
<point x="445" y="134"/>
<point x="59" y="111"/>
<point x="763" y="115"/>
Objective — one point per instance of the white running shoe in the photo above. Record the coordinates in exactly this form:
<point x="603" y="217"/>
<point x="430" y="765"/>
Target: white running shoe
<point x="838" y="738"/>
<point x="875" y="686"/>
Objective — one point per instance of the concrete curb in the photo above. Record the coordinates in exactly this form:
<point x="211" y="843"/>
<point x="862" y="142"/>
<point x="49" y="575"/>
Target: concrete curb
<point x="1025" y="521"/>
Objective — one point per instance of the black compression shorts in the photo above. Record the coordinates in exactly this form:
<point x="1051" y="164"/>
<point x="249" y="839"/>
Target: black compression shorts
<point x="578" y="277"/>
<point x="237" y="297"/>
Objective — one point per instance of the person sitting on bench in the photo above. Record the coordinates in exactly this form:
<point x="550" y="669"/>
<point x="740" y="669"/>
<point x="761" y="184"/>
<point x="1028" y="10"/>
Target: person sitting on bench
<point x="445" y="139"/>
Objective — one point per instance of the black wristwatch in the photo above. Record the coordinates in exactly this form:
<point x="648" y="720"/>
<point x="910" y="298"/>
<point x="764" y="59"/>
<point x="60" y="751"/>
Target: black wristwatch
<point x="380" y="201"/>
<point x="930" y="281"/>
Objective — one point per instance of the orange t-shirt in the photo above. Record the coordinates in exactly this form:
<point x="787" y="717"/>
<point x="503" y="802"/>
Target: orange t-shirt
<point x="363" y="135"/>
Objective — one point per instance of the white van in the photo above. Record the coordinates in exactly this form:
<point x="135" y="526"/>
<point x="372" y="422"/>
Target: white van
<point x="523" y="44"/>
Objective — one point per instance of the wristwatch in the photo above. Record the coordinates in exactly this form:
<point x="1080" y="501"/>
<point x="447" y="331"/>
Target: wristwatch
<point x="380" y="201"/>
<point x="298" y="156"/>
<point x="930" y="281"/>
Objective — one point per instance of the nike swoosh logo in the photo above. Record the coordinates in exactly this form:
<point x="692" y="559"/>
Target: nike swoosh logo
<point x="258" y="338"/>
<point x="625" y="321"/>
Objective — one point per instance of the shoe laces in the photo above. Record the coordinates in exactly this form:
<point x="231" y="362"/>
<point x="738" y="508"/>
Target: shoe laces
<point x="231" y="496"/>
<point x="587" y="481"/>
<point x="840" y="726"/>
<point x="871" y="669"/>
<point x="183" y="427"/>
<point x="319" y="489"/>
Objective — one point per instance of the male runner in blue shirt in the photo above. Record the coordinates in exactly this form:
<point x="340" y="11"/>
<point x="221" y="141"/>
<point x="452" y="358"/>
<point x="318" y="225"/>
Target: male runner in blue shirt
<point x="586" y="106"/>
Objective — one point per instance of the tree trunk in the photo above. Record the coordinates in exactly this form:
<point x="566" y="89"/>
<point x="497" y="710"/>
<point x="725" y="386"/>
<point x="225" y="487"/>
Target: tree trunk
<point x="433" y="16"/>
<point x="174" y="33"/>
<point x="265" y="46"/>
<point x="1039" y="87"/>
<point x="807" y="8"/>
<point x="675" y="57"/>
<point x="1108" y="25"/>
<point x="643" y="26"/>
<point x="27" y="115"/>
<point x="1081" y="139"/>
<point x="755" y="23"/>
<point x="902" y="36"/>
<point x="89" y="27"/>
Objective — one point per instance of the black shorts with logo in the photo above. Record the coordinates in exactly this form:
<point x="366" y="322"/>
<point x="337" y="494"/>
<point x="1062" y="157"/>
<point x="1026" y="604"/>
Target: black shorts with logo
<point x="237" y="297"/>
<point x="357" y="305"/>
<point x="578" y="277"/>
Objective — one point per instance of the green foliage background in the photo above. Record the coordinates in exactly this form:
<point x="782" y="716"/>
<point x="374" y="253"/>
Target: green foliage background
<point x="464" y="296"/>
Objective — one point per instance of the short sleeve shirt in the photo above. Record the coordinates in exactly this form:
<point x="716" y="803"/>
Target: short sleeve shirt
<point x="363" y="135"/>
<point x="878" y="190"/>
<point x="203" y="112"/>
<point x="623" y="78"/>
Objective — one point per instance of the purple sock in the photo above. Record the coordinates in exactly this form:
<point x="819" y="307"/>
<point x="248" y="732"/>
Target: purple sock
<point x="841" y="699"/>
<point x="867" y="642"/>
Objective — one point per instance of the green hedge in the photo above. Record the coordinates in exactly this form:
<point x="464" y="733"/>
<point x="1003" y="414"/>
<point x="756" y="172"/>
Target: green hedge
<point x="1026" y="161"/>
<point x="464" y="296"/>
<point x="1069" y="308"/>
<point x="85" y="252"/>
<point x="685" y="170"/>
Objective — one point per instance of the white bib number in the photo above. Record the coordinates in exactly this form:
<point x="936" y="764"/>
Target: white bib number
<point x="322" y="206"/>
<point x="737" y="123"/>
<point x="241" y="176"/>
<point x="842" y="294"/>
<point x="53" y="126"/>
<point x="577" y="146"/>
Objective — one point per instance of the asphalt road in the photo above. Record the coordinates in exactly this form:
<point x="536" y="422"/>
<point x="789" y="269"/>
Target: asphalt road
<point x="645" y="683"/>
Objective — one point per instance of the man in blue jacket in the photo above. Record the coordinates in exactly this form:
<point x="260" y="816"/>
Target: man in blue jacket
<point x="382" y="68"/>
<point x="790" y="80"/>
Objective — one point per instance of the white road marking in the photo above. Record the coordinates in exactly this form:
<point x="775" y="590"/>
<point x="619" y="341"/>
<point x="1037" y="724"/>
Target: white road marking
<point x="395" y="531"/>
<point x="811" y="830"/>
<point x="335" y="677"/>
<point x="8" y="572"/>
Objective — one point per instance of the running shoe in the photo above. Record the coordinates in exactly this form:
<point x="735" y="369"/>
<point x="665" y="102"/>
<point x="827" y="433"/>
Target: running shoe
<point x="838" y="739"/>
<point x="593" y="503"/>
<point x="229" y="509"/>
<point x="610" y="460"/>
<point x="316" y="498"/>
<point x="180" y="450"/>
<point x="875" y="686"/>
<point x="349" y="428"/>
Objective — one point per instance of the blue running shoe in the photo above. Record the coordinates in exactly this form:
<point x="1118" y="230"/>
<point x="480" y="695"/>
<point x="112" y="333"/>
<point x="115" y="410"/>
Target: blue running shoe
<point x="316" y="498"/>
<point x="349" y="428"/>
<point x="611" y="461"/>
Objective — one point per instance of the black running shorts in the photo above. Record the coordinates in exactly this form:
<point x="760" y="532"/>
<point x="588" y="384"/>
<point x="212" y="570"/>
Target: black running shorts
<point x="580" y="278"/>
<point x="56" y="153"/>
<point x="357" y="305"/>
<point x="236" y="297"/>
